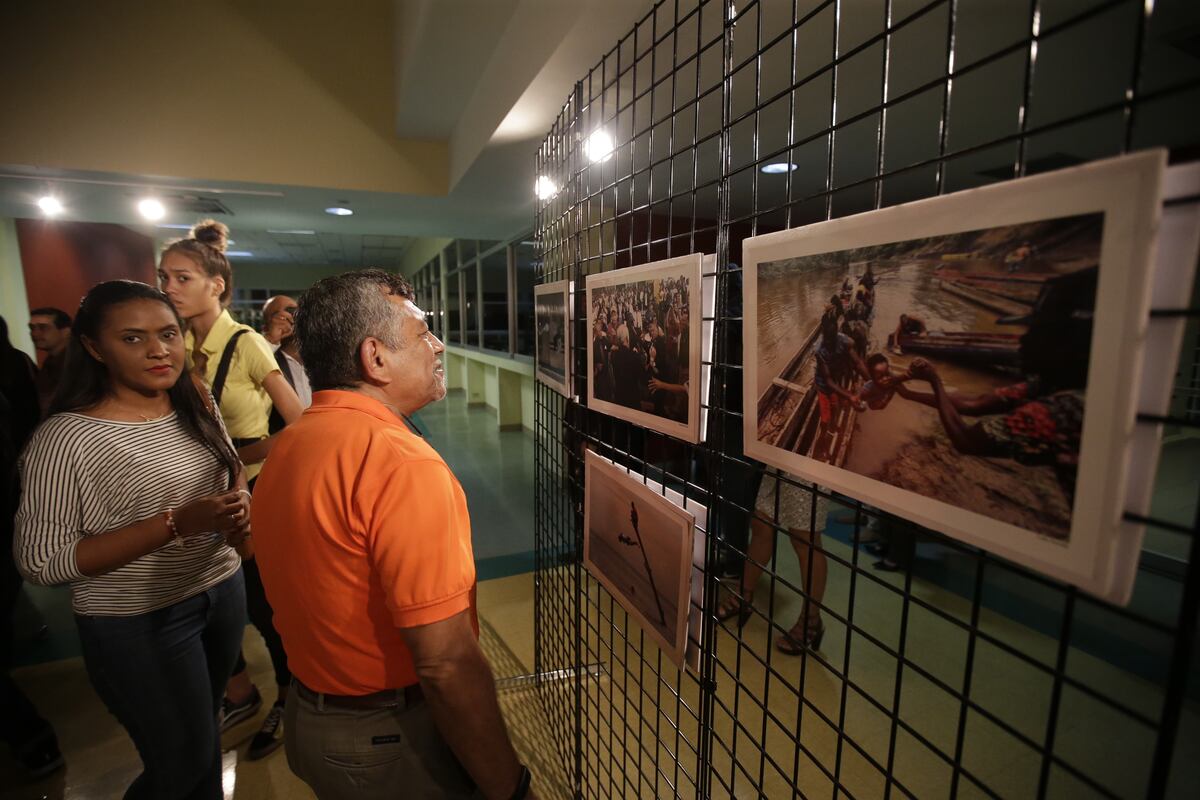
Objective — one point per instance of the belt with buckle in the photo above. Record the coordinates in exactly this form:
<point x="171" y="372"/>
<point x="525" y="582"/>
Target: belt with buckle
<point x="388" y="698"/>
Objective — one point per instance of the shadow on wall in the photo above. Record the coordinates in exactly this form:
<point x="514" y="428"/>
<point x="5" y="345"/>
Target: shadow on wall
<point x="63" y="260"/>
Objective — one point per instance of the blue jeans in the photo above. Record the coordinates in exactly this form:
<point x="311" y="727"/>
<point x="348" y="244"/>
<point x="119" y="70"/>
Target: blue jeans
<point x="162" y="674"/>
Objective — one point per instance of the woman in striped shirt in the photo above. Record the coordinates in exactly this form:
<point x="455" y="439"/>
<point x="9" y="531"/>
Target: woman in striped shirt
<point x="133" y="494"/>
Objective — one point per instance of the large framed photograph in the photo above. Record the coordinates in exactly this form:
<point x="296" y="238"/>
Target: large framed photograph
<point x="644" y="332"/>
<point x="552" y="334"/>
<point x="639" y="546"/>
<point x="970" y="362"/>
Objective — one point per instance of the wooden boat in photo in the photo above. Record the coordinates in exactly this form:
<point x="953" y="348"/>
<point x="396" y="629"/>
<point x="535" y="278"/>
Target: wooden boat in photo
<point x="789" y="415"/>
<point x="964" y="347"/>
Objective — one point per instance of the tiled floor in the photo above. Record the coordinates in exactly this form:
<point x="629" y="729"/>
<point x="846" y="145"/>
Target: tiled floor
<point x="496" y="471"/>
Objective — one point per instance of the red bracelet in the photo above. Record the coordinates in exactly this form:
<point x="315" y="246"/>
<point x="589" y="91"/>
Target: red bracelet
<point x="176" y="539"/>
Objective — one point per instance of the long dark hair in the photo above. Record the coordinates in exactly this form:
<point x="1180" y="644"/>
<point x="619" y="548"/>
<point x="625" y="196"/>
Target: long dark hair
<point x="85" y="381"/>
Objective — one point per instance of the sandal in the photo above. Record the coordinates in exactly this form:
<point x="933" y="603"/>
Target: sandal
<point x="806" y="634"/>
<point x="735" y="605"/>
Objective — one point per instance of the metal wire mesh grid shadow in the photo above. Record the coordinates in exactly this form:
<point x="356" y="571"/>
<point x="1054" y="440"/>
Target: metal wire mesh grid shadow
<point x="959" y="674"/>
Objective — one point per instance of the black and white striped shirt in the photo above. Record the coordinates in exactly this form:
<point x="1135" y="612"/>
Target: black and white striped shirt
<point x="81" y="476"/>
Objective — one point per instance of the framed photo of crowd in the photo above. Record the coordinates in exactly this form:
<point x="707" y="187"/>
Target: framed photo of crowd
<point x="552" y="334"/>
<point x="970" y="362"/>
<point x="644" y="334"/>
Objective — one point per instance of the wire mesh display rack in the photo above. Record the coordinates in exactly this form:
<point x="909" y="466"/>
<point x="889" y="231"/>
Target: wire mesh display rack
<point x="961" y="674"/>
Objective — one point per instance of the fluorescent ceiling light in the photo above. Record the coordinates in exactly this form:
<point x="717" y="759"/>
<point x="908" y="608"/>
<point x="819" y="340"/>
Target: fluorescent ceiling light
<point x="50" y="205"/>
<point x="545" y="188"/>
<point x="295" y="233"/>
<point x="238" y="253"/>
<point x="151" y="209"/>
<point x="776" y="169"/>
<point x="599" y="146"/>
<point x="175" y="227"/>
<point x="339" y="211"/>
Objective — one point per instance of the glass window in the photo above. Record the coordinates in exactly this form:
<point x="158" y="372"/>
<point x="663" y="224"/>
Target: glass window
<point x="471" y="312"/>
<point x="451" y="253"/>
<point x="453" y="331"/>
<point x="495" y="300"/>
<point x="526" y="264"/>
<point x="467" y="250"/>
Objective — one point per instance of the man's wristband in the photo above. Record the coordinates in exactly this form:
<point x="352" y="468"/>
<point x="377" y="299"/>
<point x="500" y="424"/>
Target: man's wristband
<point x="523" y="784"/>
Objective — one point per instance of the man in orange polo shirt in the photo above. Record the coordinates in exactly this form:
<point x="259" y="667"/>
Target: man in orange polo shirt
<point x="364" y="545"/>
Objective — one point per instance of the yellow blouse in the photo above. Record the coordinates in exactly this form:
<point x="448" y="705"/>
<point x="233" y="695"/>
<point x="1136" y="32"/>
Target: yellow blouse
<point x="245" y="404"/>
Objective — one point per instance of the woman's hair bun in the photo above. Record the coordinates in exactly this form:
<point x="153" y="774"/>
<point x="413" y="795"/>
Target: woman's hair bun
<point x="212" y="233"/>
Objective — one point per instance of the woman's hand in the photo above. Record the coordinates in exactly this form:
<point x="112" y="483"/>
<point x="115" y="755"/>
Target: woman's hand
<point x="223" y="513"/>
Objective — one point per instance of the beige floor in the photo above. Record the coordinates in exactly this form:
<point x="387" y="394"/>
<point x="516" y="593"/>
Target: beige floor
<point x="637" y="716"/>
<point x="640" y="727"/>
<point x="101" y="760"/>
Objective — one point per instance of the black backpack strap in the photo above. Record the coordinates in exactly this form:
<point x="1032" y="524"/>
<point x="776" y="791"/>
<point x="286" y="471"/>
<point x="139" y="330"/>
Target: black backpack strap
<point x="223" y="368"/>
<point x="284" y="367"/>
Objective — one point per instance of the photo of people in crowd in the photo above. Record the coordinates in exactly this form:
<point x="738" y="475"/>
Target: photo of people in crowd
<point x="553" y="333"/>
<point x="639" y="545"/>
<point x="643" y="348"/>
<point x="953" y="366"/>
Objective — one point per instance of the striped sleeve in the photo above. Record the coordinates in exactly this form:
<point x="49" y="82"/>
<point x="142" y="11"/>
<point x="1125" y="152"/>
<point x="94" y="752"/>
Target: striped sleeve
<point x="49" y="518"/>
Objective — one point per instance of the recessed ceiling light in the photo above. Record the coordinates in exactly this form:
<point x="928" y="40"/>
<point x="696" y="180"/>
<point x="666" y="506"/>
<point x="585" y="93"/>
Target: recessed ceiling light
<point x="776" y="169"/>
<point x="151" y="209"/>
<point x="599" y="146"/>
<point x="238" y="253"/>
<point x="339" y="211"/>
<point x="50" y="205"/>
<point x="545" y="188"/>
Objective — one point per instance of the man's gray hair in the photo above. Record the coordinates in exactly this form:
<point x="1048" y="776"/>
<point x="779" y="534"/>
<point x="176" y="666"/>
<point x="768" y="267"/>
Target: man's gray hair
<point x="337" y="314"/>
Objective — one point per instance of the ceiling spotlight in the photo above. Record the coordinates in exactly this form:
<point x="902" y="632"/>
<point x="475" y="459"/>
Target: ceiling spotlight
<point x="545" y="188"/>
<point x="339" y="211"/>
<point x="151" y="209"/>
<point x="776" y="169"/>
<point x="50" y="205"/>
<point x="599" y="146"/>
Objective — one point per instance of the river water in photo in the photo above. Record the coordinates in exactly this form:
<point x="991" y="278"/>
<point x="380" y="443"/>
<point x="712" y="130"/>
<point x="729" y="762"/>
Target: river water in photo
<point x="904" y="444"/>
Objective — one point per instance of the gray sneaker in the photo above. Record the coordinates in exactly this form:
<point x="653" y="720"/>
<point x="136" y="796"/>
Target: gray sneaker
<point x="268" y="738"/>
<point x="232" y="714"/>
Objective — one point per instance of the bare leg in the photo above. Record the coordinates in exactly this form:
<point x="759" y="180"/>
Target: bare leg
<point x="808" y="630"/>
<point x="758" y="552"/>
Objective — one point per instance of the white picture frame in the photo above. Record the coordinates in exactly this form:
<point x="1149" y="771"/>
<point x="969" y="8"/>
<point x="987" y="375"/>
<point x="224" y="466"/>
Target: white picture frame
<point x="655" y="557"/>
<point x="1127" y="191"/>
<point x="552" y="331"/>
<point x="603" y="288"/>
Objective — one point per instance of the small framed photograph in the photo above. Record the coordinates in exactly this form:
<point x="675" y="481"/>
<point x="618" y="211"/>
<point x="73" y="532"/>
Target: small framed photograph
<point x="639" y="546"/>
<point x="644" y="333"/>
<point x="970" y="362"/>
<point x="552" y="333"/>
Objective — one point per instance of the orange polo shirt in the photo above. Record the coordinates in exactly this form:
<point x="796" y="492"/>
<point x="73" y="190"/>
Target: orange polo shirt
<point x="360" y="529"/>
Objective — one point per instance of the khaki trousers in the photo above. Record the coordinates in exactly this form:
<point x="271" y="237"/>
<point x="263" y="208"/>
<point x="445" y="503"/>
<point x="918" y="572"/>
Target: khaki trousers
<point x="390" y="752"/>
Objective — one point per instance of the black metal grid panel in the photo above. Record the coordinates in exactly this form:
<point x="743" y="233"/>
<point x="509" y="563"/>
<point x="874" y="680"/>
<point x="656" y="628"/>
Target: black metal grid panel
<point x="993" y="681"/>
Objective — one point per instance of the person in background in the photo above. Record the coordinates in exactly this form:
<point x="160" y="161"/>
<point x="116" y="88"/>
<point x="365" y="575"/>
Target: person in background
<point x="50" y="329"/>
<point x="133" y="495"/>
<point x="239" y="367"/>
<point x="279" y="319"/>
<point x="372" y="576"/>
<point x="18" y="383"/>
<point x="29" y="736"/>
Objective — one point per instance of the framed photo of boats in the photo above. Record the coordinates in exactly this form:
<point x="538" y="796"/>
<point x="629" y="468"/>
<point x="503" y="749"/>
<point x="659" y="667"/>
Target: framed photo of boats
<point x="640" y="546"/>
<point x="552" y="331"/>
<point x="970" y="362"/>
<point x="644" y="335"/>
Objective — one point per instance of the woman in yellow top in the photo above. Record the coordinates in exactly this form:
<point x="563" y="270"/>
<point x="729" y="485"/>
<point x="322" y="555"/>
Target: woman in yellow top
<point x="196" y="276"/>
